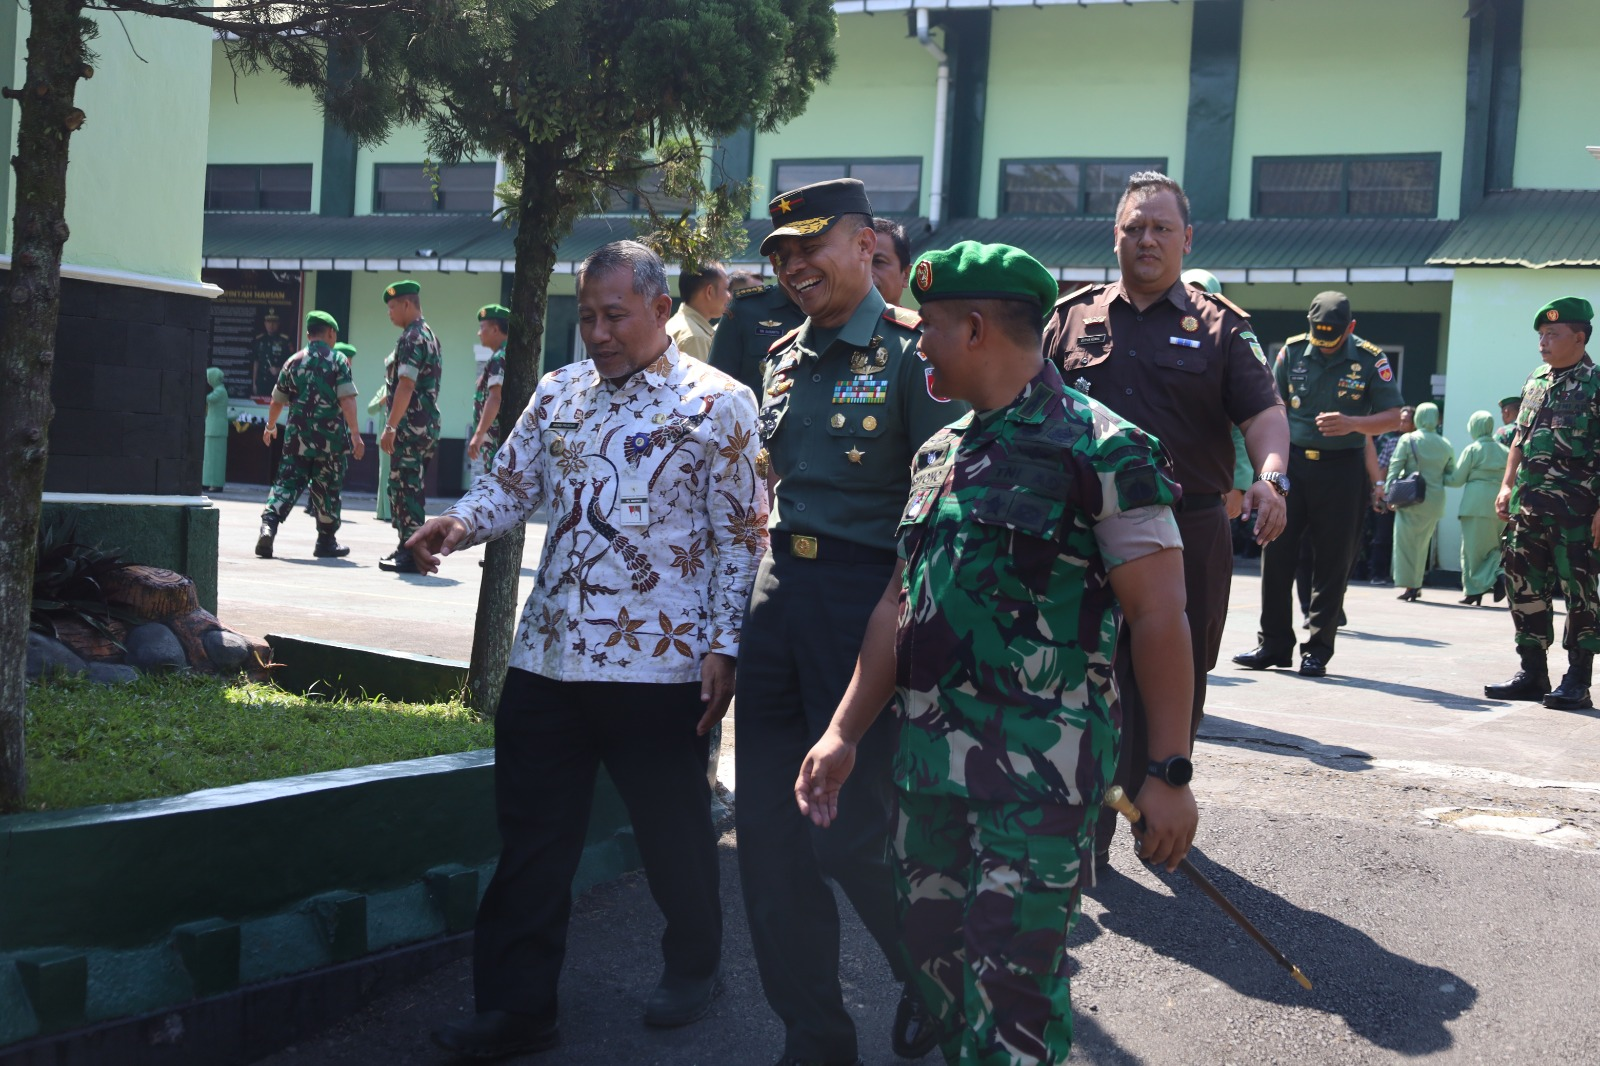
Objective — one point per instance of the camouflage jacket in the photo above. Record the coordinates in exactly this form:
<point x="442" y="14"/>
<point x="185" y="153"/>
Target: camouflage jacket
<point x="311" y="384"/>
<point x="416" y="356"/>
<point x="1558" y="431"/>
<point x="492" y="374"/>
<point x="1007" y="619"/>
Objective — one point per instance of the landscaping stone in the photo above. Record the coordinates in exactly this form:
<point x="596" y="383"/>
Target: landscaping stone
<point x="47" y="655"/>
<point x="112" y="673"/>
<point x="154" y="647"/>
<point x="226" y="649"/>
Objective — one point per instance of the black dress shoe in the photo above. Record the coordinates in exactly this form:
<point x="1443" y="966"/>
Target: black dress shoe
<point x="680" y="1000"/>
<point x="1260" y="659"/>
<point x="915" y="1032"/>
<point x="400" y="562"/>
<point x="494" y="1034"/>
<point x="1312" y="666"/>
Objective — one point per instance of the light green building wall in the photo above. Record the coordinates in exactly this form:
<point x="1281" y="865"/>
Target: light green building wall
<point x="879" y="104"/>
<point x="1123" y="93"/>
<point x="1374" y="76"/>
<point x="135" y="188"/>
<point x="261" y="119"/>
<point x="1560" y="88"/>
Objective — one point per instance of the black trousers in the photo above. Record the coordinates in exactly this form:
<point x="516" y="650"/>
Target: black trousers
<point x="797" y="651"/>
<point x="550" y="738"/>
<point x="1207" y="577"/>
<point x="1325" y="504"/>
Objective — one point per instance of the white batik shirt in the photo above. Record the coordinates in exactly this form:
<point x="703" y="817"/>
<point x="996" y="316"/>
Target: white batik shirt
<point x="657" y="519"/>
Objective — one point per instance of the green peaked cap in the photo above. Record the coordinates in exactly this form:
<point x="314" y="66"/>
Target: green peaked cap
<point x="322" y="319"/>
<point x="406" y="287"/>
<point x="1574" y="309"/>
<point x="973" y="271"/>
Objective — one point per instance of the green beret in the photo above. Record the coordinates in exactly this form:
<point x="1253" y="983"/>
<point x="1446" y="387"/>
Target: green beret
<point x="1203" y="280"/>
<point x="973" y="271"/>
<point x="1573" y="309"/>
<point x="401" y="288"/>
<point x="495" y="312"/>
<point x="1509" y="400"/>
<point x="346" y="350"/>
<point x="321" y="320"/>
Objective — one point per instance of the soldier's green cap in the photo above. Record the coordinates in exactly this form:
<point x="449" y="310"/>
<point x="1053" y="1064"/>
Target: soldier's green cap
<point x="321" y="320"/>
<point x="401" y="288"/>
<point x="1329" y="316"/>
<point x="1509" y="400"/>
<point x="973" y="271"/>
<point x="813" y="209"/>
<point x="1203" y="280"/>
<point x="346" y="350"/>
<point x="496" y="312"/>
<point x="1573" y="309"/>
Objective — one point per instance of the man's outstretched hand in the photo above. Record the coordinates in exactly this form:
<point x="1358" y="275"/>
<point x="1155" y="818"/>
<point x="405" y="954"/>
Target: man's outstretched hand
<point x="822" y="774"/>
<point x="437" y="538"/>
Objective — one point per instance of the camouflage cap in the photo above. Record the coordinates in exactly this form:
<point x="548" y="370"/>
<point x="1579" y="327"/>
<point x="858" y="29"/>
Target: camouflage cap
<point x="973" y="271"/>
<point x="1573" y="309"/>
<point x="321" y="320"/>
<point x="346" y="350"/>
<point x="407" y="287"/>
<point x="495" y="313"/>
<point x="813" y="209"/>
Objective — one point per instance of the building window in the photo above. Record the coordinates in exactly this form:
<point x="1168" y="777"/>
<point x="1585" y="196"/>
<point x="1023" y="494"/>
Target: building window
<point x="1089" y="187"/>
<point x="1347" y="186"/>
<point x="251" y="187"/>
<point x="894" y="186"/>
<point x="633" y="201"/>
<point x="467" y="188"/>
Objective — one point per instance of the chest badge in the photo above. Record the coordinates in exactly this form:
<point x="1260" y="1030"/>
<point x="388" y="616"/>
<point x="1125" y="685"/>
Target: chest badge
<point x="837" y="421"/>
<point x="763" y="463"/>
<point x="1082" y="385"/>
<point x="1100" y="321"/>
<point x="1294" y="401"/>
<point x="1190" y="323"/>
<point x="1355" y="368"/>
<point x="869" y="362"/>
<point x="769" y="323"/>
<point x="869" y="423"/>
<point x="780" y="386"/>
<point x="854" y="455"/>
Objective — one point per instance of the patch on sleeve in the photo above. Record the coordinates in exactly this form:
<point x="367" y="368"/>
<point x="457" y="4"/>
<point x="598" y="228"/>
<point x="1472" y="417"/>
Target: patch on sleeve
<point x="1139" y="486"/>
<point x="1384" y="370"/>
<point x="1255" y="346"/>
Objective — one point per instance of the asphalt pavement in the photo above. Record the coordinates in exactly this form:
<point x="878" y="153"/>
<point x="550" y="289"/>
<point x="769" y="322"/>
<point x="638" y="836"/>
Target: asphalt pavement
<point x="1429" y="858"/>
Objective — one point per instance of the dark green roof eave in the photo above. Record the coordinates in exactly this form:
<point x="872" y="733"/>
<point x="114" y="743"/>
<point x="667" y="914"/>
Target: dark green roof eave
<point x="1529" y="228"/>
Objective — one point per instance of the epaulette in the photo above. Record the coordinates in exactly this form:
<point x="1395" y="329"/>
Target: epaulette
<point x="750" y="290"/>
<point x="1297" y="338"/>
<point x="1369" y="347"/>
<point x="1229" y="304"/>
<point x="1074" y="294"/>
<point x="902" y="316"/>
<point x="785" y="339"/>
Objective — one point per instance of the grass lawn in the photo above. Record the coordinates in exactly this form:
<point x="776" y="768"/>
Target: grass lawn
<point x="166" y="735"/>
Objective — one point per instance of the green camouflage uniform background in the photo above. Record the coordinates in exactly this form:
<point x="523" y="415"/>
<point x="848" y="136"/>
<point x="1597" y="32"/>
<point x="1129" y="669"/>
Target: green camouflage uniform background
<point x="316" y="440"/>
<point x="493" y="373"/>
<point x="1553" y="500"/>
<point x="416" y="355"/>
<point x="1006" y="702"/>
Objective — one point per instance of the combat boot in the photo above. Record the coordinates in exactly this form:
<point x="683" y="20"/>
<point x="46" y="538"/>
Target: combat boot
<point x="328" y="547"/>
<point x="1573" y="693"/>
<point x="401" y="562"/>
<point x="1532" y="682"/>
<point x="269" y="530"/>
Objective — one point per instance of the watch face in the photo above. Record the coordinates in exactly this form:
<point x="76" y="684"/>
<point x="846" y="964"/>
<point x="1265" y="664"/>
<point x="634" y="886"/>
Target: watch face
<point x="1180" y="771"/>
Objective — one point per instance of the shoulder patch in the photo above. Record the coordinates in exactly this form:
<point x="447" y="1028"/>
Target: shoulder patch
<point x="902" y="316"/>
<point x="750" y="290"/>
<point x="1075" y="293"/>
<point x="783" y="340"/>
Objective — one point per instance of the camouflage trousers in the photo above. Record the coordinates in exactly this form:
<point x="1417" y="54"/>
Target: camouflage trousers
<point x="987" y="894"/>
<point x="1544" y="553"/>
<point x="408" y="504"/>
<point x="484" y="464"/>
<point x="325" y="476"/>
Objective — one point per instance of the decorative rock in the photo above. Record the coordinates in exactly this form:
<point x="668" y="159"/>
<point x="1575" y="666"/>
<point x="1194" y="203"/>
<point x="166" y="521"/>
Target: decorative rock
<point x="153" y="647"/>
<point x="47" y="655"/>
<point x="226" y="649"/>
<point x="112" y="673"/>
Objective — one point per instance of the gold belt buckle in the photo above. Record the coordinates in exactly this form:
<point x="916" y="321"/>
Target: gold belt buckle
<point x="803" y="547"/>
<point x="1313" y="454"/>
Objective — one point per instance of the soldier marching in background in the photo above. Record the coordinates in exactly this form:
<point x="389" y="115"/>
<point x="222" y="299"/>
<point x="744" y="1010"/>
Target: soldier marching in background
<point x="494" y="326"/>
<point x="412" y="431"/>
<point x="1551" y="497"/>
<point x="319" y="439"/>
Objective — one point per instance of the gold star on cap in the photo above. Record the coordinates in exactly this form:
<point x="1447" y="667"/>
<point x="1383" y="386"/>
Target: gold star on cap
<point x="854" y="454"/>
<point x="784" y="206"/>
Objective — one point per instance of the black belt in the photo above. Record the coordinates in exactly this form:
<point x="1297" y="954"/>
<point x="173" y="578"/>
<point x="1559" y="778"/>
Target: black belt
<point x="828" y="549"/>
<point x="1324" y="454"/>
<point x="1199" y="501"/>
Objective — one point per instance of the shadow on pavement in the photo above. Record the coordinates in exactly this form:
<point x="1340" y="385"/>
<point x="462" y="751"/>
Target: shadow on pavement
<point x="1438" y="697"/>
<point x="1390" y="638"/>
<point x="1388" y="1000"/>
<point x="1221" y="730"/>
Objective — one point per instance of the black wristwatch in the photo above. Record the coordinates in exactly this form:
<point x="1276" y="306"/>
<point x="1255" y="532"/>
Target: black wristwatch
<point x="1277" y="480"/>
<point x="1176" y="771"/>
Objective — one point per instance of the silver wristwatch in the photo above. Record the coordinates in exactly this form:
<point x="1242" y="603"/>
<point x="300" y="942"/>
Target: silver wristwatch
<point x="1277" y="480"/>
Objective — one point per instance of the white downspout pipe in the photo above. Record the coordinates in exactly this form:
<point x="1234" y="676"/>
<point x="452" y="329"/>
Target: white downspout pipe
<point x="941" y="116"/>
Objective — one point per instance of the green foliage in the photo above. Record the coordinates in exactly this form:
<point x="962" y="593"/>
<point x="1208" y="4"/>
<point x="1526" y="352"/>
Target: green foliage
<point x="170" y="734"/>
<point x="67" y="577"/>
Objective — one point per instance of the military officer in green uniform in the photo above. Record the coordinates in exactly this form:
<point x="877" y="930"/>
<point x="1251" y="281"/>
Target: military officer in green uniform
<point x="1551" y="497"/>
<point x="319" y="439"/>
<point x="411" y="431"/>
<point x="268" y="352"/>
<point x="494" y="326"/>
<point x="756" y="317"/>
<point x="1028" y="521"/>
<point x="845" y="406"/>
<point x="1510" y="407"/>
<point x="1340" y="390"/>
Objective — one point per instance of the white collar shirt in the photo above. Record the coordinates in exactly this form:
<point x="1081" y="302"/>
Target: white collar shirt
<point x="657" y="519"/>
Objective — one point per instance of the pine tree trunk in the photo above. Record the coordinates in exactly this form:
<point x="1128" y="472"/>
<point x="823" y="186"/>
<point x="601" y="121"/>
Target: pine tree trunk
<point x="539" y="230"/>
<point x="32" y="294"/>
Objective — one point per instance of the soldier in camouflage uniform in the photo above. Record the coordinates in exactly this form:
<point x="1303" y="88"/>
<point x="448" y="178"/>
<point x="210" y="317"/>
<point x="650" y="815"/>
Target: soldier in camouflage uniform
<point x="1028" y="521"/>
<point x="494" y="326"/>
<point x="1510" y="407"/>
<point x="1551" y="497"/>
<point x="412" y="430"/>
<point x="318" y="440"/>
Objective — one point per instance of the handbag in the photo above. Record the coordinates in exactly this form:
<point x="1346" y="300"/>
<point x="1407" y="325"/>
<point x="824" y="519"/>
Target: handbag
<point x="1407" y="491"/>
